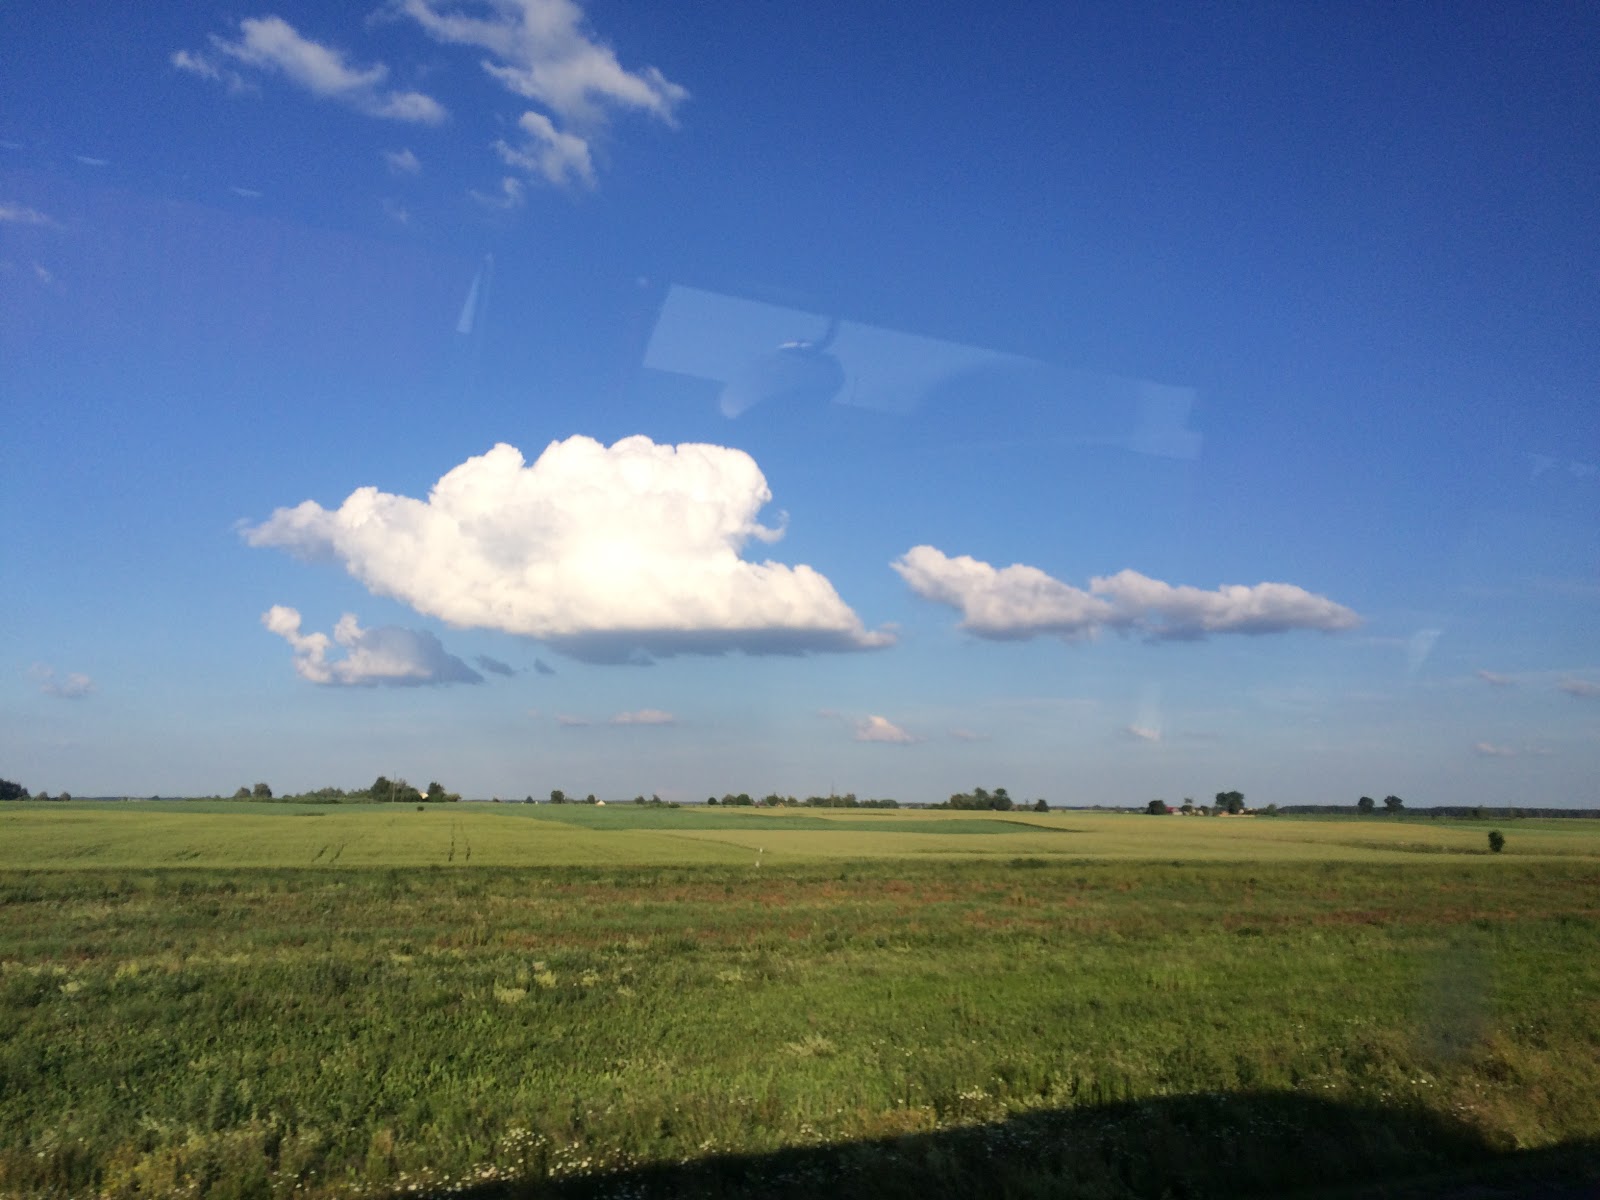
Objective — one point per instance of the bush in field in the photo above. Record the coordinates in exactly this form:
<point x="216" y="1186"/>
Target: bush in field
<point x="1497" y="841"/>
<point x="1157" y="808"/>
<point x="1366" y="804"/>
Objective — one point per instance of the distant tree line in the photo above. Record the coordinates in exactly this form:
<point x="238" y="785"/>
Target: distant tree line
<point x="383" y="791"/>
<point x="980" y="799"/>
<point x="774" y="800"/>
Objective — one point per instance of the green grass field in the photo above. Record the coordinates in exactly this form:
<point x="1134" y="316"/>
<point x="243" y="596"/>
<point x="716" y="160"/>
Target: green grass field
<point x="236" y="1000"/>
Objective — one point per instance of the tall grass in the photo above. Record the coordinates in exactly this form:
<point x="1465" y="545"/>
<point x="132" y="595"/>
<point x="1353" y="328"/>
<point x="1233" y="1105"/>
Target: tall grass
<point x="317" y="1032"/>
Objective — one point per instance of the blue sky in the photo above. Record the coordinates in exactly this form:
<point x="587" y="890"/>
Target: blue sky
<point x="1107" y="403"/>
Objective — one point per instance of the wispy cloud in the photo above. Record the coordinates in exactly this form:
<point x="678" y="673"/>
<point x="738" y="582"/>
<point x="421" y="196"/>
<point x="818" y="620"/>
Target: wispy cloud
<point x="571" y="722"/>
<point x="508" y="197"/>
<point x="966" y="735"/>
<point x="71" y="686"/>
<point x="644" y="716"/>
<point x="1020" y="602"/>
<point x="273" y="46"/>
<point x="388" y="656"/>
<point x="541" y="667"/>
<point x="560" y="157"/>
<point x="540" y="50"/>
<point x="494" y="666"/>
<point x="21" y="214"/>
<point x="89" y="160"/>
<point x="1584" y="689"/>
<point x="1490" y="750"/>
<point x="245" y="193"/>
<point x="402" y="161"/>
<point x="1495" y="680"/>
<point x="1144" y="733"/>
<point x="610" y="554"/>
<point x="206" y="68"/>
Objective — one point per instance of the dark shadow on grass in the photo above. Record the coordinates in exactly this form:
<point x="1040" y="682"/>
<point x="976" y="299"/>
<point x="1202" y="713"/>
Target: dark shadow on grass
<point x="1176" y="1148"/>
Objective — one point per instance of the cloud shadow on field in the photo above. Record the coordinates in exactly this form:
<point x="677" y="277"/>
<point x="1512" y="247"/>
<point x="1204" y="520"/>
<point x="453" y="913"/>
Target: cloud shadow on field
<point x="1208" y="1145"/>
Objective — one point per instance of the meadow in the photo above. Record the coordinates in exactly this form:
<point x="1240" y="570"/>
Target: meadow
<point x="236" y="1000"/>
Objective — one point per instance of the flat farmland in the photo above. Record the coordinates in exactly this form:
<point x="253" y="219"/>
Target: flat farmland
<point x="242" y="1000"/>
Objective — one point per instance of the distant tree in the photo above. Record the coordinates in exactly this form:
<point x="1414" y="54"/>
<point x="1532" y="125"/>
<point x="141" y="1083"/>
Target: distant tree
<point x="557" y="796"/>
<point x="1497" y="841"/>
<point x="12" y="791"/>
<point x="528" y="800"/>
<point x="1157" y="808"/>
<point x="1478" y="814"/>
<point x="242" y="794"/>
<point x="1233" y="802"/>
<point x="261" y="792"/>
<point x="1366" y="804"/>
<point x="589" y="799"/>
<point x="1393" y="803"/>
<point x="64" y="796"/>
<point x="42" y="796"/>
<point x="1039" y="805"/>
<point x="1002" y="802"/>
<point x="381" y="789"/>
<point x="435" y="792"/>
<point x="709" y="799"/>
<point x="1270" y="810"/>
<point x="1187" y="806"/>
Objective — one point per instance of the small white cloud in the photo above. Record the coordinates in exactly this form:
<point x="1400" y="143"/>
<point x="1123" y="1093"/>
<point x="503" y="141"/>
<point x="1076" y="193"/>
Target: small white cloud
<point x="396" y="211"/>
<point x="43" y="274"/>
<point x="1489" y="750"/>
<point x="402" y="162"/>
<point x="1494" y="680"/>
<point x="607" y="553"/>
<point x="271" y="44"/>
<point x="388" y="655"/>
<point x="206" y="68"/>
<point x="570" y="722"/>
<point x="1144" y="733"/>
<point x="245" y="193"/>
<point x="21" y="214"/>
<point x="508" y="197"/>
<point x="90" y="160"/>
<point x="539" y="49"/>
<point x="72" y="686"/>
<point x="966" y="735"/>
<point x="1020" y="602"/>
<point x="644" y="716"/>
<point x="561" y="158"/>
<point x="1584" y="689"/>
<point x="880" y="729"/>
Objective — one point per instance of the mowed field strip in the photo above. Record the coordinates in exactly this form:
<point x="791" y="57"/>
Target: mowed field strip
<point x="225" y="834"/>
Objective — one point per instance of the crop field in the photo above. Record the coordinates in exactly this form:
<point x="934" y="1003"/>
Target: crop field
<point x="236" y="1000"/>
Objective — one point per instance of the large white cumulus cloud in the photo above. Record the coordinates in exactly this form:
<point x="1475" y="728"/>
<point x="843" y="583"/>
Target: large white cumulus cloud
<point x="1018" y="602"/>
<point x="607" y="553"/>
